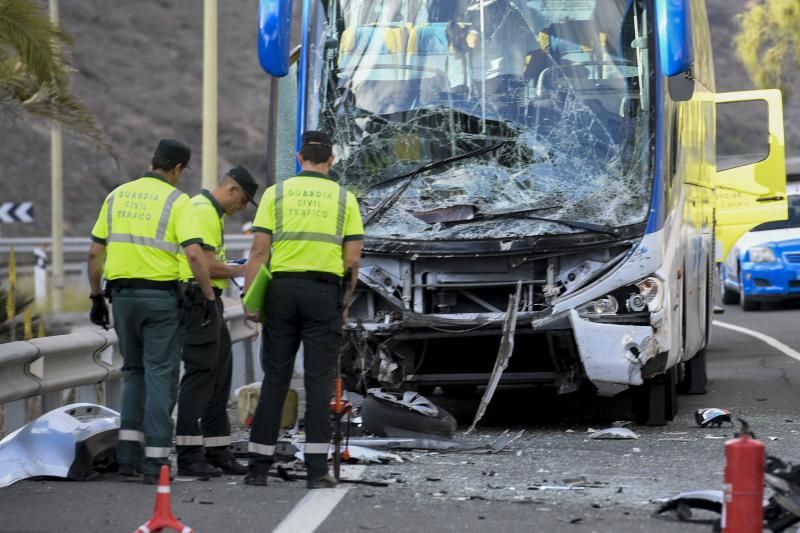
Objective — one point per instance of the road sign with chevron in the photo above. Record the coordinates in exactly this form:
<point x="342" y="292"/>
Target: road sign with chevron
<point x="11" y="212"/>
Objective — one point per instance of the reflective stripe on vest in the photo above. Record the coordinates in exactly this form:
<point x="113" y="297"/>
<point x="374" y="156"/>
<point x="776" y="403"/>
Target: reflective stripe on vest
<point x="280" y="235"/>
<point x="156" y="242"/>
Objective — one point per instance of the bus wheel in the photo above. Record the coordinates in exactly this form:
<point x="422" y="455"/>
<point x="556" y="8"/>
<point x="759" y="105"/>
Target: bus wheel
<point x="695" y="378"/>
<point x="655" y="402"/>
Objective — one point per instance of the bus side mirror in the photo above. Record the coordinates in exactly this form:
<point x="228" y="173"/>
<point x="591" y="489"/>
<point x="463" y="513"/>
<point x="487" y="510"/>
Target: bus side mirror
<point x="674" y="33"/>
<point x="274" y="36"/>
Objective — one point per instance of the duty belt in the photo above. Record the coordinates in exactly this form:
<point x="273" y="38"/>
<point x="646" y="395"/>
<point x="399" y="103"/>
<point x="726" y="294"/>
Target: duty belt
<point x="191" y="282"/>
<point x="324" y="277"/>
<point x="137" y="283"/>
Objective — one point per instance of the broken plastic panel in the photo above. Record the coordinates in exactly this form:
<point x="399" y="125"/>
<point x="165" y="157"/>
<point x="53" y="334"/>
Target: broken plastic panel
<point x="68" y="442"/>
<point x="402" y="83"/>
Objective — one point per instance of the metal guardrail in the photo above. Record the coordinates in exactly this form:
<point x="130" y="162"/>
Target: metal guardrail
<point x="53" y="364"/>
<point x="76" y="248"/>
<point x="80" y="245"/>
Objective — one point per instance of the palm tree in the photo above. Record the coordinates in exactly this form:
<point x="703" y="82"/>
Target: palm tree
<point x="22" y="302"/>
<point x="34" y="72"/>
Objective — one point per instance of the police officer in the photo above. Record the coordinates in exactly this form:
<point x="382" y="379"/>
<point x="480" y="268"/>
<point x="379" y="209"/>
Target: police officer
<point x="207" y="360"/>
<point x="140" y="230"/>
<point x="314" y="229"/>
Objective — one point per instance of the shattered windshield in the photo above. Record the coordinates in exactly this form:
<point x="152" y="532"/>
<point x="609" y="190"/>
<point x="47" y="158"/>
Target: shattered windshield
<point x="556" y="91"/>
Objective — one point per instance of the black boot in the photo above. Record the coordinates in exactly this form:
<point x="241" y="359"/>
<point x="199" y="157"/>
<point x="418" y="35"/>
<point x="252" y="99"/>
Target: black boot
<point x="227" y="463"/>
<point x="200" y="469"/>
<point x="258" y="470"/>
<point x="324" y="482"/>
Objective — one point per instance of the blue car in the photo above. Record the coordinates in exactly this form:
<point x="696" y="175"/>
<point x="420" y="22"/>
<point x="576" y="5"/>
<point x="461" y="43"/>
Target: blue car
<point x="764" y="265"/>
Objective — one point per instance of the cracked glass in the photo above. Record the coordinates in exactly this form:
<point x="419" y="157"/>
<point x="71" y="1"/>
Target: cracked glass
<point x="559" y="88"/>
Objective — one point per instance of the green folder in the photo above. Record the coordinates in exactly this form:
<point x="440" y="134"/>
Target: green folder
<point x="254" y="299"/>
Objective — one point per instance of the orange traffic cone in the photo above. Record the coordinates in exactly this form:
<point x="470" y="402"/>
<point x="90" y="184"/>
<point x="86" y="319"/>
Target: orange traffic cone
<point x="162" y="515"/>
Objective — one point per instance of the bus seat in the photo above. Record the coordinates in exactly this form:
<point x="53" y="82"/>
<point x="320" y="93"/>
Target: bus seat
<point x="573" y="40"/>
<point x="428" y="48"/>
<point x="364" y="46"/>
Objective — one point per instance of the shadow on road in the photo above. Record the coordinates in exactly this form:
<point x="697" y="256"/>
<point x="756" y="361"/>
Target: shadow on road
<point x="536" y="407"/>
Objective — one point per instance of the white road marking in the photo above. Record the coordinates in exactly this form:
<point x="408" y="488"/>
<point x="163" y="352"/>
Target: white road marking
<point x="772" y="341"/>
<point x="317" y="504"/>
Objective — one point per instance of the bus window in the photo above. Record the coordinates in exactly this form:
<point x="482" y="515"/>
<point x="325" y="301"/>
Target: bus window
<point x="742" y="133"/>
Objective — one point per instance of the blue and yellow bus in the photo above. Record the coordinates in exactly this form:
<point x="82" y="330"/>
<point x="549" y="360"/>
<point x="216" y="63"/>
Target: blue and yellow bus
<point x="548" y="167"/>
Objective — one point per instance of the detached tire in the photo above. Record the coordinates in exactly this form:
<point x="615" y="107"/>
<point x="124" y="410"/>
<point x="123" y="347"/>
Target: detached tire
<point x="377" y="415"/>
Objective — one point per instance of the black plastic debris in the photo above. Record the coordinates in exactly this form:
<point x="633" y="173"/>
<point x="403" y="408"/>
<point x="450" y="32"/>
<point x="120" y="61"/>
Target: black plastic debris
<point x="712" y="417"/>
<point x="682" y="504"/>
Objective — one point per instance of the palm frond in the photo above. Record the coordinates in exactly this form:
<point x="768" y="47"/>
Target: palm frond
<point x="25" y="28"/>
<point x="20" y="96"/>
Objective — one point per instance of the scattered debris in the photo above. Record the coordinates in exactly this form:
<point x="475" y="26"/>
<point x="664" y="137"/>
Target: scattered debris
<point x="503" y="354"/>
<point x="408" y="411"/>
<point x="433" y="478"/>
<point x="614" y="433"/>
<point x="408" y="399"/>
<point x="284" y="474"/>
<point x="715" y="437"/>
<point x="554" y="487"/>
<point x="773" y="438"/>
<point x="411" y="440"/>
<point x="362" y="454"/>
<point x="682" y="504"/>
<point x="712" y="417"/>
<point x="784" y="480"/>
<point x="72" y="442"/>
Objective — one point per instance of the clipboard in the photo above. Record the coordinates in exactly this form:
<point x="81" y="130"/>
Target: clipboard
<point x="254" y="299"/>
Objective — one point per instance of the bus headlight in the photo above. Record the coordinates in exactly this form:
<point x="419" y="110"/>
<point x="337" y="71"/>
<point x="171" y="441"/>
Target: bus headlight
<point x="761" y="254"/>
<point x="652" y="290"/>
<point x="607" y="305"/>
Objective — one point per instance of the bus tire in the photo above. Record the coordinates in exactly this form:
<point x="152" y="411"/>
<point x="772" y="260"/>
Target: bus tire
<point x="695" y="376"/>
<point x="655" y="402"/>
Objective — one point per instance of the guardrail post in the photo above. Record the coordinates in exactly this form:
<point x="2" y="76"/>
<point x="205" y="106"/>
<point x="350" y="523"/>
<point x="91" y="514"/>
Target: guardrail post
<point x="52" y="400"/>
<point x="86" y="393"/>
<point x="16" y="415"/>
<point x="113" y="389"/>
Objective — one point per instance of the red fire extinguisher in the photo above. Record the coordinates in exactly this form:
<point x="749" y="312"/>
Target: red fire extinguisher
<point x="742" y="510"/>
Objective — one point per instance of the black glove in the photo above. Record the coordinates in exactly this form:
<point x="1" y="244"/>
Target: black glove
<point x="209" y="312"/>
<point x="99" y="313"/>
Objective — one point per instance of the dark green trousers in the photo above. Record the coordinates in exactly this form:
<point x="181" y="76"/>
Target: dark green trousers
<point x="298" y="310"/>
<point x="205" y="386"/>
<point x="147" y="326"/>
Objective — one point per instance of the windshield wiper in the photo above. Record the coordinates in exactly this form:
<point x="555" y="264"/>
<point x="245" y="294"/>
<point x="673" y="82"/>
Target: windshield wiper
<point x="526" y="213"/>
<point x="389" y="201"/>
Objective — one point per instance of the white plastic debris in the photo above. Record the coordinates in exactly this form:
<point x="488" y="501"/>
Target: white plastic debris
<point x="614" y="434"/>
<point x="364" y="455"/>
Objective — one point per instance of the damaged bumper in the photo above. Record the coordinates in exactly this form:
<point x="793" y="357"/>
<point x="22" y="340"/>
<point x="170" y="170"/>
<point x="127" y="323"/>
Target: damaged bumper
<point x="68" y="442"/>
<point x="613" y="355"/>
<point x="597" y="316"/>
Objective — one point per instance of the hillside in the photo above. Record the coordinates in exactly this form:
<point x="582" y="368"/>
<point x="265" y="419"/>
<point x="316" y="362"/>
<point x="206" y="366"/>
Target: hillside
<point x="138" y="65"/>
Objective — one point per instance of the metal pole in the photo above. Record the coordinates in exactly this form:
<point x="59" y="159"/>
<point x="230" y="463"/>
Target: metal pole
<point x="57" y="207"/>
<point x="209" y="169"/>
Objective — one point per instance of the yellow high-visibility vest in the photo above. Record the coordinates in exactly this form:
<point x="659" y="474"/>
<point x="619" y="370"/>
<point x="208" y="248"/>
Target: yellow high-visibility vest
<point x="309" y="217"/>
<point x="143" y="224"/>
<point x="209" y="216"/>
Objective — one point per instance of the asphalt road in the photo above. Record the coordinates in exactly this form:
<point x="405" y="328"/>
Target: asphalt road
<point x="613" y="483"/>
